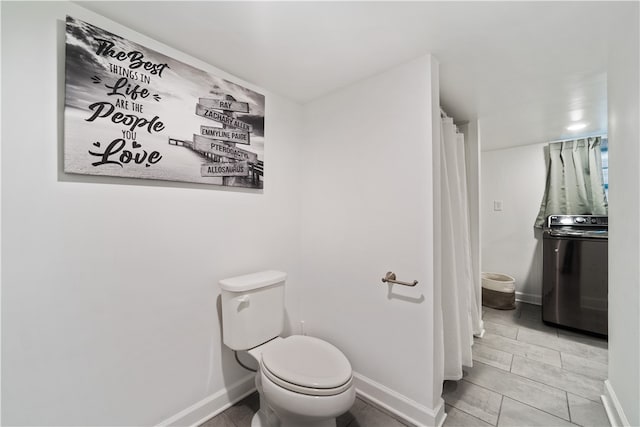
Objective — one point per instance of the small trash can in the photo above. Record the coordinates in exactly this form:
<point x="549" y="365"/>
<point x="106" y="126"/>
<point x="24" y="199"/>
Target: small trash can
<point x="498" y="291"/>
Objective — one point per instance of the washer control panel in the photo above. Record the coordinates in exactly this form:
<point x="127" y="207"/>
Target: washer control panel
<point x="578" y="220"/>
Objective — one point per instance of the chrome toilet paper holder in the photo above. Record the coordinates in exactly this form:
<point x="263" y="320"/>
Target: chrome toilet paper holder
<point x="390" y="277"/>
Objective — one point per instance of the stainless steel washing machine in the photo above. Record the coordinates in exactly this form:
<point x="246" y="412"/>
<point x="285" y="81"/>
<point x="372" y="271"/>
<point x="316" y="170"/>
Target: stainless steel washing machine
<point x="575" y="272"/>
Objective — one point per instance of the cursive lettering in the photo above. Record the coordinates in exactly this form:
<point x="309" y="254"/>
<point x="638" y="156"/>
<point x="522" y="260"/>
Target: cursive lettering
<point x="116" y="150"/>
<point x="105" y="109"/>
<point x="127" y="90"/>
<point x="135" y="58"/>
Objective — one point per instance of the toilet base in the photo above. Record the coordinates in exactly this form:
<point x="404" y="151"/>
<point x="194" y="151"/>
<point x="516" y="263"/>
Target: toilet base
<point x="259" y="420"/>
<point x="267" y="417"/>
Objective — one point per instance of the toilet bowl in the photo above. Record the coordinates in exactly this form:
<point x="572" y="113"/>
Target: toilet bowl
<point x="302" y="381"/>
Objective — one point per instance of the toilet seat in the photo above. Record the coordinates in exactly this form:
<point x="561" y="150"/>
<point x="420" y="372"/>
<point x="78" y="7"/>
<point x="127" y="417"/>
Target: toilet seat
<point x="307" y="365"/>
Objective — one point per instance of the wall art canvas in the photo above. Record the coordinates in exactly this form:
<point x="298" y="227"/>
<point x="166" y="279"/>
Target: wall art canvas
<point x="133" y="112"/>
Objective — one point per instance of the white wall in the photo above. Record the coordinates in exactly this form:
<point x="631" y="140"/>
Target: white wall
<point x="109" y="291"/>
<point x="368" y="208"/>
<point x="624" y="212"/>
<point x="516" y="176"/>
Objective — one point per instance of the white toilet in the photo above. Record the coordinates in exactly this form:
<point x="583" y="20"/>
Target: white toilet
<point x="302" y="381"/>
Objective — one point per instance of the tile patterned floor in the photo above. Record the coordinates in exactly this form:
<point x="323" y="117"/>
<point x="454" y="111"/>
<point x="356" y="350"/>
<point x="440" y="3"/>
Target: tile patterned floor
<point x="525" y="374"/>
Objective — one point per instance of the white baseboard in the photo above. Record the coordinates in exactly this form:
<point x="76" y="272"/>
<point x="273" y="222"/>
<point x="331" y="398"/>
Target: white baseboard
<point x="397" y="404"/>
<point x="612" y="407"/>
<point x="211" y="406"/>
<point x="529" y="298"/>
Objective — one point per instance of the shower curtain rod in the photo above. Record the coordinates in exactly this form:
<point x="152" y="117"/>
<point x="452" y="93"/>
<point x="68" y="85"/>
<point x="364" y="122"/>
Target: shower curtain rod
<point x="575" y="139"/>
<point x="549" y="142"/>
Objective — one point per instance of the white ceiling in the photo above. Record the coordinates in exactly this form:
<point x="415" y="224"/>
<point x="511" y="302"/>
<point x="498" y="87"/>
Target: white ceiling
<point x="522" y="68"/>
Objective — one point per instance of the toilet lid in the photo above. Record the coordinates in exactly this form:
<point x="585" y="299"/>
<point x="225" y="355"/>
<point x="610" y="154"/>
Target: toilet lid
<point x="307" y="362"/>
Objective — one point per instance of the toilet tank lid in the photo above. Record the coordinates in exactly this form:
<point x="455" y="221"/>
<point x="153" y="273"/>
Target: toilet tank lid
<point x="253" y="281"/>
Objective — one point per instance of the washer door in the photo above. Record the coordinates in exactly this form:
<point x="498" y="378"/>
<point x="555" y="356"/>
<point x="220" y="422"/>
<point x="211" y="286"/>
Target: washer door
<point x="575" y="283"/>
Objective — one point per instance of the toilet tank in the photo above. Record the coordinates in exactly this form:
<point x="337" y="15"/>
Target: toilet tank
<point x="252" y="309"/>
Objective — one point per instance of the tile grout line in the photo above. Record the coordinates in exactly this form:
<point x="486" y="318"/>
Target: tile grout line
<point x="557" y="388"/>
<point x="541" y="410"/>
<point x="484" y="388"/>
<point x="466" y="413"/>
<point x="577" y="370"/>
<point x="543" y="348"/>
<point x="555" y="349"/>
<point x="549" y="385"/>
<point x="529" y="358"/>
<point x="538" y="409"/>
<point x="566" y="340"/>
<point x="519" y="401"/>
<point x="537" y="382"/>
<point x="479" y="386"/>
<point x="566" y="396"/>
<point x="500" y="410"/>
<point x="473" y="357"/>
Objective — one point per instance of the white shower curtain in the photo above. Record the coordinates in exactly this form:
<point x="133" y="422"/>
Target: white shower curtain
<point x="460" y="312"/>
